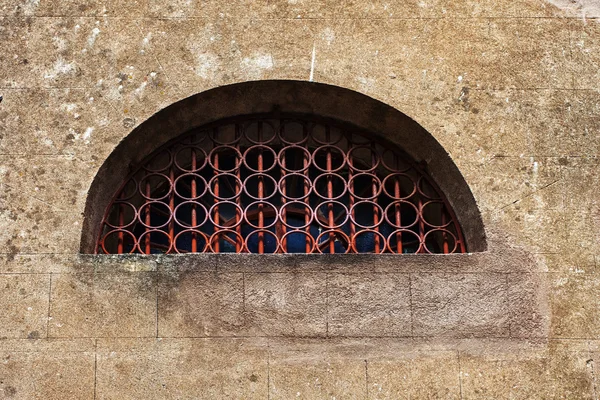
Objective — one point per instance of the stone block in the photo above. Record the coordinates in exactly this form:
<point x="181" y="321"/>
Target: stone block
<point x="460" y="305"/>
<point x="512" y="179"/>
<point x="37" y="263"/>
<point x="198" y="55"/>
<point x="574" y="305"/>
<point x="527" y="53"/>
<point x="103" y="305"/>
<point x="24" y="216"/>
<point x="200" y="304"/>
<point x="580" y="182"/>
<point x="536" y="229"/>
<point x="68" y="122"/>
<point x="47" y="370"/>
<point x="585" y="59"/>
<point x="528" y="302"/>
<point x="53" y="181"/>
<point x="313" y="369"/>
<point x="70" y="8"/>
<point x="182" y="368"/>
<point x="24" y="300"/>
<point x="553" y="374"/>
<point x="414" y="375"/>
<point x="281" y="304"/>
<point x="368" y="305"/>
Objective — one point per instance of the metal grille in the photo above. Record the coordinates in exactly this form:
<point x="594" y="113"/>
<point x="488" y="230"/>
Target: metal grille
<point x="285" y="184"/>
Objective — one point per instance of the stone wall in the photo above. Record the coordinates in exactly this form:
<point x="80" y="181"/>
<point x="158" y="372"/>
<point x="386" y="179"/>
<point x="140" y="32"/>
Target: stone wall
<point x="508" y="88"/>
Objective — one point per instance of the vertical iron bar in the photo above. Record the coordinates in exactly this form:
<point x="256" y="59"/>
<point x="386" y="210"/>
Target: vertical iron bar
<point x="238" y="189"/>
<point x="121" y="219"/>
<point x="351" y="197"/>
<point x="444" y="235"/>
<point x="283" y="202"/>
<point x="194" y="194"/>
<point x="216" y="191"/>
<point x="148" y="218"/>
<point x="421" y="226"/>
<point x="330" y="221"/>
<point x="398" y="215"/>
<point x="261" y="238"/>
<point x="305" y="183"/>
<point x="375" y="208"/>
<point x="172" y="207"/>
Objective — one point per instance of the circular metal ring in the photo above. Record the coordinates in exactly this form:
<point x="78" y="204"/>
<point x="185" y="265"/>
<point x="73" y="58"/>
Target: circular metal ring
<point x="192" y="203"/>
<point x="364" y="231"/>
<point x="332" y="175"/>
<point x="444" y="231"/>
<point x="315" y="217"/>
<point x="340" y="137"/>
<point x="155" y="157"/>
<point x="422" y="192"/>
<point x="324" y="147"/>
<point x="373" y="151"/>
<point x="196" y="136"/>
<point x="307" y="157"/>
<point x="257" y="231"/>
<point x="193" y="148"/>
<point x="165" y="177"/>
<point x="401" y="231"/>
<point x="422" y="212"/>
<point x="401" y="175"/>
<point x="302" y="204"/>
<point x="262" y="141"/>
<point x="400" y="202"/>
<point x="335" y="232"/>
<point x="291" y="175"/>
<point x="367" y="175"/>
<point x="223" y="203"/>
<point x="223" y="232"/>
<point x="149" y="204"/>
<point x="396" y="157"/>
<point x="141" y="239"/>
<point x="368" y="204"/>
<point x="214" y="132"/>
<point x="125" y="231"/>
<point x="123" y="196"/>
<point x="217" y="149"/>
<point x="118" y="203"/>
<point x="289" y="122"/>
<point x="258" y="203"/>
<point x="220" y="198"/>
<point x="296" y="231"/>
<point x="192" y="231"/>
<point x="263" y="147"/>
<point x="193" y="175"/>
<point x="258" y="176"/>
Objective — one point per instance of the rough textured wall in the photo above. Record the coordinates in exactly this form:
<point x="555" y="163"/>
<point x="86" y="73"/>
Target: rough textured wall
<point x="509" y="88"/>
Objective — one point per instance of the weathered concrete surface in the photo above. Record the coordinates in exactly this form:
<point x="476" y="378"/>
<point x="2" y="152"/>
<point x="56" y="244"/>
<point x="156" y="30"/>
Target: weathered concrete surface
<point x="508" y="88"/>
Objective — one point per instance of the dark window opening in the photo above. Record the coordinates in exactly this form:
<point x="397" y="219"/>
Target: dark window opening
<point x="285" y="184"/>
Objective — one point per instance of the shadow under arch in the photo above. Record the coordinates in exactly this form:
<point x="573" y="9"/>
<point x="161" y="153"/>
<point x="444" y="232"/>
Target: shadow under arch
<point x="287" y="96"/>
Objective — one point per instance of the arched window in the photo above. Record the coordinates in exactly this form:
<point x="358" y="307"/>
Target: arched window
<point x="280" y="167"/>
<point x="279" y="183"/>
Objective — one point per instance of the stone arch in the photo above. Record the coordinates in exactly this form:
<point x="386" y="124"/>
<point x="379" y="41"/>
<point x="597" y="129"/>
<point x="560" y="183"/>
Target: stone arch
<point x="290" y="97"/>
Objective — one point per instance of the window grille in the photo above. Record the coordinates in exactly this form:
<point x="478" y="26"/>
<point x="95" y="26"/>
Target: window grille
<point x="279" y="184"/>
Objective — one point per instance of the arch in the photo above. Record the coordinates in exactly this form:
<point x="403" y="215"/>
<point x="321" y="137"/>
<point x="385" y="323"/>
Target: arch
<point x="288" y="97"/>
